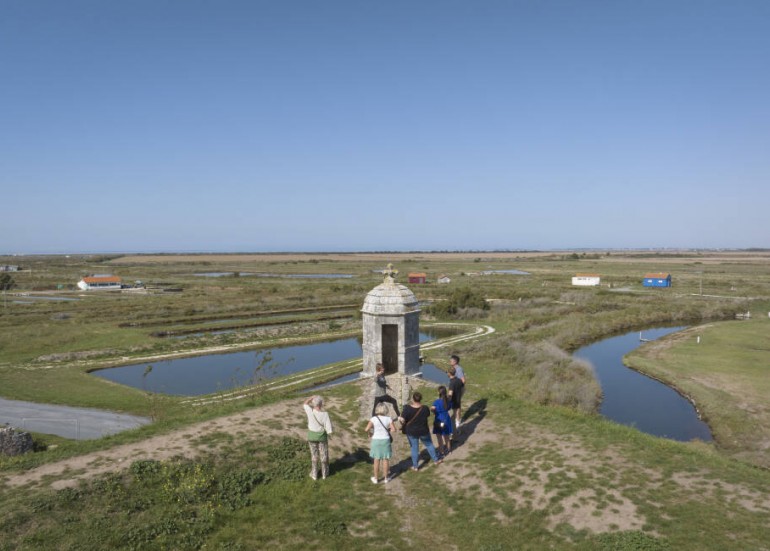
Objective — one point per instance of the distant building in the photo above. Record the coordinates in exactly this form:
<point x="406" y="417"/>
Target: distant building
<point x="100" y="282"/>
<point x="443" y="279"/>
<point x="8" y="268"/>
<point x="587" y="280"/>
<point x="657" y="280"/>
<point x="418" y="277"/>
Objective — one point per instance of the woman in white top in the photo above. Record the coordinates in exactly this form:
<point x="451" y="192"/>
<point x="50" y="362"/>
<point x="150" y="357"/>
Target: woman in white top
<point x="319" y="427"/>
<point x="380" y="426"/>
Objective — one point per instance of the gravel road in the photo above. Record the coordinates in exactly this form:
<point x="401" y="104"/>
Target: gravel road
<point x="65" y="421"/>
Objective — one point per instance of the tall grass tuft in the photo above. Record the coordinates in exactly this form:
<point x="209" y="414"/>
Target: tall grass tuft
<point x="541" y="372"/>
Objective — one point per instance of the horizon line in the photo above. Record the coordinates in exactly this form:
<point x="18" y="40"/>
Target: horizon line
<point x="396" y="251"/>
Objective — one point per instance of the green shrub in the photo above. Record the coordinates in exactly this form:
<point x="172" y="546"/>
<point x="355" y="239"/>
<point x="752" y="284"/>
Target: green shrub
<point x="461" y="299"/>
<point x="288" y="460"/>
<point x="542" y="372"/>
<point x="145" y="468"/>
<point x="233" y="487"/>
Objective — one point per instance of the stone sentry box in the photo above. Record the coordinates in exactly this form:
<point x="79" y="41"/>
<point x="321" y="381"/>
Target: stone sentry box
<point x="391" y="326"/>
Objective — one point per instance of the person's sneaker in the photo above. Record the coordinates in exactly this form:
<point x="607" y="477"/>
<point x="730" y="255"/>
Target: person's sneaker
<point x="374" y="480"/>
<point x="314" y="477"/>
<point x="387" y="479"/>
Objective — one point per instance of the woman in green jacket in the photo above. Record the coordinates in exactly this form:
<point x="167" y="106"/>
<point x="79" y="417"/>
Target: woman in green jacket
<point x="319" y="427"/>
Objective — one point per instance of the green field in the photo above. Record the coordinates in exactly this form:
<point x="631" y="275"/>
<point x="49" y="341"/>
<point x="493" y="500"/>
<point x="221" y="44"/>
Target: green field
<point x="538" y="469"/>
<point x="725" y="368"/>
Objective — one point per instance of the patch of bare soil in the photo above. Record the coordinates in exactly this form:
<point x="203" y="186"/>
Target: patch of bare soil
<point x="703" y="485"/>
<point x="529" y="482"/>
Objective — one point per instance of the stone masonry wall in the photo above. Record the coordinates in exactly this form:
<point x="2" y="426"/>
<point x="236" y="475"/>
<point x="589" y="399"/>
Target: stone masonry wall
<point x="13" y="442"/>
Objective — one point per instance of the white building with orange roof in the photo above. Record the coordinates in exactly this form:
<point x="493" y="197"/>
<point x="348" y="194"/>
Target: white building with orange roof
<point x="100" y="282"/>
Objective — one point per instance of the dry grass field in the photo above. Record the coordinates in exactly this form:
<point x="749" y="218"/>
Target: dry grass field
<point x="668" y="256"/>
<point x="228" y="258"/>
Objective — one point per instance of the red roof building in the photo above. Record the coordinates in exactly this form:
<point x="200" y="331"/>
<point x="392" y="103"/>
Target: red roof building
<point x="418" y="277"/>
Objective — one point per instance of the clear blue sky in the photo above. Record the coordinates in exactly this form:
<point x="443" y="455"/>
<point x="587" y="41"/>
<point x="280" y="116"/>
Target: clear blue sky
<point x="183" y="125"/>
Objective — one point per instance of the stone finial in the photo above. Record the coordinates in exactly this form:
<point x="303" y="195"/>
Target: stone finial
<point x="390" y="273"/>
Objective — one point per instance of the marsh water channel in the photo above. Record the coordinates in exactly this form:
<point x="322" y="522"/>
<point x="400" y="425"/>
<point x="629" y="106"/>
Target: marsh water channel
<point x="210" y="373"/>
<point x="633" y="399"/>
<point x="629" y="397"/>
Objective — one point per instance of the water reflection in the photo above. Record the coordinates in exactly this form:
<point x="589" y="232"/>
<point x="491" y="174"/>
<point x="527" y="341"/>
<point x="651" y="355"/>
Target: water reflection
<point x="434" y="374"/>
<point x="509" y="272"/>
<point x="633" y="399"/>
<point x="309" y="276"/>
<point x="214" y="372"/>
<point x="265" y="274"/>
<point x="39" y="297"/>
<point x="429" y="372"/>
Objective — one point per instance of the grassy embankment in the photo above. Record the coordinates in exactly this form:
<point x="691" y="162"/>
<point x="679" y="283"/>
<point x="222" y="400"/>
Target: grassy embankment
<point x="726" y="374"/>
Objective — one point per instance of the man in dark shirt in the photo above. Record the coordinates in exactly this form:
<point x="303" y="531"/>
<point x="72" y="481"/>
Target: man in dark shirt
<point x="454" y="362"/>
<point x="455" y="392"/>
<point x="381" y="390"/>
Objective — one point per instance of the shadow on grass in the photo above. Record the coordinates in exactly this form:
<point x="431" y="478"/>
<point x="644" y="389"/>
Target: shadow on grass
<point x="348" y="460"/>
<point x="471" y="419"/>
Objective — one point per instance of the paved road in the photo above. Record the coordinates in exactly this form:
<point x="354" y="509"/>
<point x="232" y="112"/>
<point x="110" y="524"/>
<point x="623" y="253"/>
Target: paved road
<point x="69" y="422"/>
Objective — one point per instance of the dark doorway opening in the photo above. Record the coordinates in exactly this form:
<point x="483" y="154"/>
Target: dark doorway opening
<point x="390" y="348"/>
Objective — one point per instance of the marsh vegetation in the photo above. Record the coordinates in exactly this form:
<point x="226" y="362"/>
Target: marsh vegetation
<point x="538" y="458"/>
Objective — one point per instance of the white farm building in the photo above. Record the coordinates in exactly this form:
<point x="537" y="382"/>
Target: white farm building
<point x="586" y="280"/>
<point x="101" y="282"/>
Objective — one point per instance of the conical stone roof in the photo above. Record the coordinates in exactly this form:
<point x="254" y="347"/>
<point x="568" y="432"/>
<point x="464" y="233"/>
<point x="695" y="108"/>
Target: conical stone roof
<point x="390" y="299"/>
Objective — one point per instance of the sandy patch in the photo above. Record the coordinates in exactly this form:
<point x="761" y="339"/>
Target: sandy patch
<point x="581" y="512"/>
<point x="699" y="484"/>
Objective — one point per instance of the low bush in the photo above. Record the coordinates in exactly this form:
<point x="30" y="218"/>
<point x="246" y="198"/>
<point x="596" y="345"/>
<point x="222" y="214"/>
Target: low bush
<point x="461" y="301"/>
<point x="541" y="372"/>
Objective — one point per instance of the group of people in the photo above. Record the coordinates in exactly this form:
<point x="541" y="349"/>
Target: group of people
<point x="413" y="420"/>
